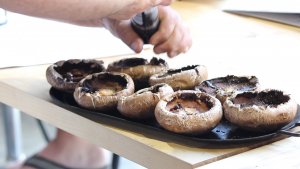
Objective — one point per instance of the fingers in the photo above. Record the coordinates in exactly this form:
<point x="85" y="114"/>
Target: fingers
<point x="136" y="45"/>
<point x="128" y="36"/>
<point x="173" y="37"/>
<point x="166" y="28"/>
<point x="127" y="9"/>
<point x="162" y="2"/>
<point x="173" y="45"/>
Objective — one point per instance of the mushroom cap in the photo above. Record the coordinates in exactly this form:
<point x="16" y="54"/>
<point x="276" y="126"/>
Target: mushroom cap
<point x="223" y="87"/>
<point x="185" y="78"/>
<point x="65" y="74"/>
<point x="188" y="112"/>
<point x="142" y="103"/>
<point x="139" y="69"/>
<point x="263" y="111"/>
<point x="101" y="91"/>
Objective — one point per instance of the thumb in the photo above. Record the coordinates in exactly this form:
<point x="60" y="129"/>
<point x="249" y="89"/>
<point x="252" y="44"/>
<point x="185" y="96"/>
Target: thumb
<point x="164" y="2"/>
<point x="130" y="38"/>
<point x="136" y="45"/>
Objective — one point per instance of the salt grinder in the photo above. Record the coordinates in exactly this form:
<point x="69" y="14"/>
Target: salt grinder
<point x="145" y="24"/>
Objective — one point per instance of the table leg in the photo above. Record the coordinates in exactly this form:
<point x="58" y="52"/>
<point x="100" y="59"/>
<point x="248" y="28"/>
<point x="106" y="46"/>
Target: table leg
<point x="13" y="135"/>
<point x="115" y="161"/>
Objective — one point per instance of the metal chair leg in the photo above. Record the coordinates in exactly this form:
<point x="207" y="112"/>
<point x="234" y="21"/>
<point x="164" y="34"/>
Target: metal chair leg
<point x="12" y="130"/>
<point x="43" y="130"/>
<point x="115" y="161"/>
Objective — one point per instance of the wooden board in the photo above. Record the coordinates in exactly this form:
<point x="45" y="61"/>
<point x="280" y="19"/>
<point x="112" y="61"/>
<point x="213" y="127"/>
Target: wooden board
<point x="26" y="89"/>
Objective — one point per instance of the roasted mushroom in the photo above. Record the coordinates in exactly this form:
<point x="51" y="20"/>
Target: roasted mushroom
<point x="141" y="104"/>
<point x="181" y="79"/>
<point x="263" y="111"/>
<point x="224" y="87"/>
<point x="188" y="112"/>
<point x="64" y="75"/>
<point x="139" y="69"/>
<point x="101" y="91"/>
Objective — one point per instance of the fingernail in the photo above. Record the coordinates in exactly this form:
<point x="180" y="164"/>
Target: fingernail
<point x="158" y="50"/>
<point x="186" y="50"/>
<point x="172" y="54"/>
<point x="133" y="46"/>
<point x="152" y="41"/>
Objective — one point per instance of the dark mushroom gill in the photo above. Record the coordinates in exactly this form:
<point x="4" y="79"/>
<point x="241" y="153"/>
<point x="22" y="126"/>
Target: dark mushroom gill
<point x="271" y="98"/>
<point x="228" y="84"/>
<point x="189" y="103"/>
<point x="175" y="71"/>
<point x="156" y="61"/>
<point x="74" y="72"/>
<point x="105" y="84"/>
<point x="130" y="62"/>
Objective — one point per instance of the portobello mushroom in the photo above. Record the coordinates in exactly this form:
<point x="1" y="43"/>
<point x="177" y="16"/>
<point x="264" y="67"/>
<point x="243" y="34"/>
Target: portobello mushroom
<point x="185" y="78"/>
<point x="188" y="112"/>
<point x="263" y="111"/>
<point x="139" y="69"/>
<point x="65" y="74"/>
<point x="101" y="91"/>
<point x="142" y="103"/>
<point x="223" y="87"/>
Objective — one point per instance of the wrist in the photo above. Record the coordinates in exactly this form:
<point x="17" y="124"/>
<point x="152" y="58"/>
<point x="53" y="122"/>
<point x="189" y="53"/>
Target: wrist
<point x="106" y="23"/>
<point x="89" y="23"/>
<point x="110" y="24"/>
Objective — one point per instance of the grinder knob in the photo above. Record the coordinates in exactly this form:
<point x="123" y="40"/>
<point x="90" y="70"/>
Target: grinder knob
<point x="145" y="24"/>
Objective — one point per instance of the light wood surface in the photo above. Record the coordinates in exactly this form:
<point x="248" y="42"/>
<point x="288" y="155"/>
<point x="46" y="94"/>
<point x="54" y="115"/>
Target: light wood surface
<point x="27" y="89"/>
<point x="281" y="154"/>
<point x="226" y="44"/>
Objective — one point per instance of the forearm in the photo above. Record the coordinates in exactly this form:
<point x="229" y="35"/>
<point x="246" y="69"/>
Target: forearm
<point x="72" y="11"/>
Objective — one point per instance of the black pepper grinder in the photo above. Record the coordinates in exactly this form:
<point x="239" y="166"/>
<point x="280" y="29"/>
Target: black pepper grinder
<point x="145" y="24"/>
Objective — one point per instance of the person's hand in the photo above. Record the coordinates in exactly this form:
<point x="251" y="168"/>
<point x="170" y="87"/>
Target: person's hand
<point x="173" y="37"/>
<point x="126" y="9"/>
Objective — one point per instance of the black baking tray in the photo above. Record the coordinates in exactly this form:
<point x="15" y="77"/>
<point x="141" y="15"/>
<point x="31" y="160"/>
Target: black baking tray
<point x="224" y="133"/>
